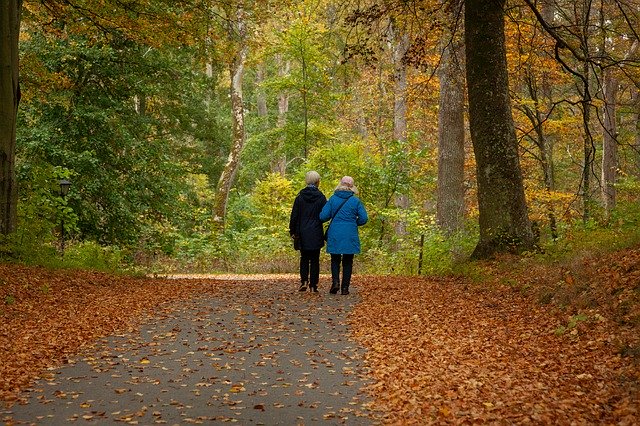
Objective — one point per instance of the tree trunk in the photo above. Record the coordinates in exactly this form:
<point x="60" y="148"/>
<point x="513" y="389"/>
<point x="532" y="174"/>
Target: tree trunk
<point x="261" y="96"/>
<point x="450" y="190"/>
<point x="588" y="147"/>
<point x="610" y="144"/>
<point x="544" y="143"/>
<point x="399" y="45"/>
<point x="279" y="162"/>
<point x="305" y="107"/>
<point x="636" y="122"/>
<point x="9" y="100"/>
<point x="236" y="71"/>
<point x="504" y="221"/>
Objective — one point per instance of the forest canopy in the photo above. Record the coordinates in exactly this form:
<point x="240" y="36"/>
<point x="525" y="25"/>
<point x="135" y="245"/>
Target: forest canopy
<point x="186" y="127"/>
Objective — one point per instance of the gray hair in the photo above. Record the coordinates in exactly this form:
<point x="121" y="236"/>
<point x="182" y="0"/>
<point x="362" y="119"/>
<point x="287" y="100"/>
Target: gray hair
<point x="312" y="178"/>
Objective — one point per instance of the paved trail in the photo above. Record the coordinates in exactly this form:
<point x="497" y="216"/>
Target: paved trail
<point x="261" y="354"/>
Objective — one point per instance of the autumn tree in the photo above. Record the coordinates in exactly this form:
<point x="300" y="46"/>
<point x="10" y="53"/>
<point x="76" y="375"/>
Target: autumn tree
<point x="9" y="98"/>
<point x="610" y="163"/>
<point x="237" y="37"/>
<point x="582" y="32"/>
<point x="114" y="106"/>
<point x="536" y="81"/>
<point x="504" y="221"/>
<point x="451" y="132"/>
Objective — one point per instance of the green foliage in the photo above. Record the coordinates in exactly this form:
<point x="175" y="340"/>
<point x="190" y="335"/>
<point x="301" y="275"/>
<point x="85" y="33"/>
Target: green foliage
<point x="254" y="250"/>
<point x="77" y="255"/>
<point x="332" y="161"/>
<point x="273" y="197"/>
<point x="91" y="255"/>
<point x="438" y="255"/>
<point x="256" y="238"/>
<point x="127" y="123"/>
<point x="143" y="132"/>
<point x="620" y="231"/>
<point x="572" y="323"/>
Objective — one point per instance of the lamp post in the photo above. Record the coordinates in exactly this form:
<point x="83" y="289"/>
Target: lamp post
<point x="64" y="190"/>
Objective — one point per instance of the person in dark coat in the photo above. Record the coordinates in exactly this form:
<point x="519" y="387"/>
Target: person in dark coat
<point x="346" y="213"/>
<point x="305" y="225"/>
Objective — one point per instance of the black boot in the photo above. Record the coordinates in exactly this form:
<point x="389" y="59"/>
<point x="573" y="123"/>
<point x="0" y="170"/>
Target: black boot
<point x="335" y="286"/>
<point x="314" y="288"/>
<point x="303" y="286"/>
<point x="345" y="286"/>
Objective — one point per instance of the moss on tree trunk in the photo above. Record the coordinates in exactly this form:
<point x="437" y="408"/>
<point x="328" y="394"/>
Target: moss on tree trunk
<point x="504" y="222"/>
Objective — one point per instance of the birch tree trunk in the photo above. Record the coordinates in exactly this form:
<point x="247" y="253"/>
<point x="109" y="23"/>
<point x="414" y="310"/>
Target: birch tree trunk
<point x="504" y="221"/>
<point x="450" y="189"/>
<point x="610" y="143"/>
<point x="236" y="71"/>
<point x="9" y="100"/>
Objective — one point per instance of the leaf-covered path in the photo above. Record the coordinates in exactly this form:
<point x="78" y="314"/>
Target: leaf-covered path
<point x="256" y="353"/>
<point x="398" y="350"/>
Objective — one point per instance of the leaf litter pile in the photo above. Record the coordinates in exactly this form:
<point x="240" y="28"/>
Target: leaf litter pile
<point x="520" y="344"/>
<point x="453" y="351"/>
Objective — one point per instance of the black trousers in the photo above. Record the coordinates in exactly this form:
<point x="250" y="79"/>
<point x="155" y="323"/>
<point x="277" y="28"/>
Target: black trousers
<point x="310" y="267"/>
<point x="347" y="269"/>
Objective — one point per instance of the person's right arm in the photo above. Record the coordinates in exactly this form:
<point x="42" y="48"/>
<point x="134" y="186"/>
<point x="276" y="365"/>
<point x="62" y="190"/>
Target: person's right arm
<point x="293" y="219"/>
<point x="325" y="213"/>
<point x="362" y="214"/>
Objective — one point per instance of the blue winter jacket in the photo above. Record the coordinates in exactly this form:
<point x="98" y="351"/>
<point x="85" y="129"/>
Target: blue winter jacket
<point x="342" y="237"/>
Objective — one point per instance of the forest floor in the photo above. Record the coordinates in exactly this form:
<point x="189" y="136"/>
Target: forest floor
<point x="516" y="342"/>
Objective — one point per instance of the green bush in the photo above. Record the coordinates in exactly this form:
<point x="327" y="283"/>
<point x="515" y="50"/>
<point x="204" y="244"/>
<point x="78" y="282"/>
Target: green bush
<point x="91" y="255"/>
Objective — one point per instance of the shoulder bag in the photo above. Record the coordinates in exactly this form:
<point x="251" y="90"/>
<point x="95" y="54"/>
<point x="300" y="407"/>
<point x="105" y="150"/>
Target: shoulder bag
<point x="334" y="215"/>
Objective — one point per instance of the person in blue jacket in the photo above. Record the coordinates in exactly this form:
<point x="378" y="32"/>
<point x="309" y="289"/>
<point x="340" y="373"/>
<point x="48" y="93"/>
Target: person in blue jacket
<point x="346" y="213"/>
<point x="304" y="224"/>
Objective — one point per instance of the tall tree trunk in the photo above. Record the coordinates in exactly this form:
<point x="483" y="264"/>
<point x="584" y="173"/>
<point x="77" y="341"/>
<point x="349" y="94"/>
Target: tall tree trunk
<point x="305" y="92"/>
<point x="279" y="162"/>
<point x="588" y="147"/>
<point x="9" y="100"/>
<point x="504" y="221"/>
<point x="399" y="45"/>
<point x="636" y="122"/>
<point x="236" y="71"/>
<point x="584" y="21"/>
<point x="450" y="190"/>
<point x="261" y="96"/>
<point x="544" y="143"/>
<point x="610" y="143"/>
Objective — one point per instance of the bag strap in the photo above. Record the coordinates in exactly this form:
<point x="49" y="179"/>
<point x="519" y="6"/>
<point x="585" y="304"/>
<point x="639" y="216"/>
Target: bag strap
<point x="334" y="215"/>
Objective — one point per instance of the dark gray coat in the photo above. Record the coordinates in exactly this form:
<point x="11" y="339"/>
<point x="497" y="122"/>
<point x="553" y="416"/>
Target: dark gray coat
<point x="305" y="218"/>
